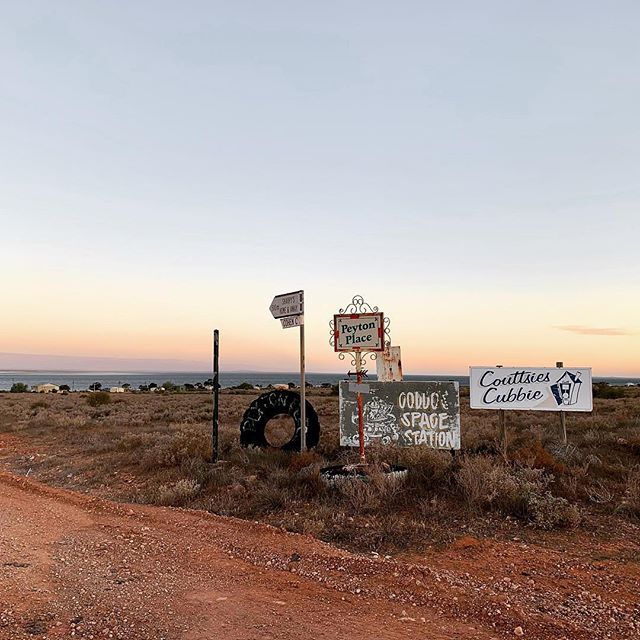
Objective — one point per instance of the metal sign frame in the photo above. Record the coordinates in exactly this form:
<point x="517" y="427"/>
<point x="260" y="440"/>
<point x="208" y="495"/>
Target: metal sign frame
<point x="357" y="316"/>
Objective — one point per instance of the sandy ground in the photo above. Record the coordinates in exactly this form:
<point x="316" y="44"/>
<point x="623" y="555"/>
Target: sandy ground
<point x="84" y="567"/>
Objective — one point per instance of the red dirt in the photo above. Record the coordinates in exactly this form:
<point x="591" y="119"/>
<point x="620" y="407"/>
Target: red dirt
<point x="84" y="567"/>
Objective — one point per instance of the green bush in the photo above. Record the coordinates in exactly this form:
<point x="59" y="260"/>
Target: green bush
<point x="19" y="387"/>
<point x="98" y="398"/>
<point x="608" y="392"/>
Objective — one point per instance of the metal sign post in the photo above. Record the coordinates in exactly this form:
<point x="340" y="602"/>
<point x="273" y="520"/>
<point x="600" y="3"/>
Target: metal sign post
<point x="303" y="391"/>
<point x="362" y="331"/>
<point x="216" y="388"/>
<point x="289" y="309"/>
<point x="360" y="408"/>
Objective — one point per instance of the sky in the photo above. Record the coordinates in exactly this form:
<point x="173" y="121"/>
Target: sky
<point x="471" y="168"/>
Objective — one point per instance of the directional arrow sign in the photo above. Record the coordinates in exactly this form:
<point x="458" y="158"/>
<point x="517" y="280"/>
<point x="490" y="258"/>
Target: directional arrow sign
<point x="288" y="304"/>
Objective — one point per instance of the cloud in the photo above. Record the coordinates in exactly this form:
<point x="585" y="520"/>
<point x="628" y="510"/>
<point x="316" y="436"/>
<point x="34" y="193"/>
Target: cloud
<point x="594" y="331"/>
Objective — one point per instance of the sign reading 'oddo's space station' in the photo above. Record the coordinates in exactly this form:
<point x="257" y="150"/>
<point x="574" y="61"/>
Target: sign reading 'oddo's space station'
<point x="401" y="413"/>
<point x="531" y="388"/>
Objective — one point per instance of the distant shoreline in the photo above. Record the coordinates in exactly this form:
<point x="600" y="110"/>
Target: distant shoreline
<point x="80" y="380"/>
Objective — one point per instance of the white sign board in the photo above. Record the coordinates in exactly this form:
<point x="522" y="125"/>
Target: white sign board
<point x="358" y="332"/>
<point x="291" y="321"/>
<point x="531" y="388"/>
<point x="389" y="365"/>
<point x="287" y="304"/>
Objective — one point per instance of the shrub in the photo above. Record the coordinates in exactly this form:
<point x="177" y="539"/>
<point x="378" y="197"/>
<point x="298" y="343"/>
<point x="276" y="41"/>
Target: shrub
<point x="172" y="449"/>
<point x="244" y="386"/>
<point x="605" y="390"/>
<point x="19" y="387"/>
<point x="428" y="468"/>
<point x="550" y="512"/>
<point x="370" y="494"/>
<point x="521" y="492"/>
<point x="631" y="502"/>
<point x="98" y="398"/>
<point x="178" y="494"/>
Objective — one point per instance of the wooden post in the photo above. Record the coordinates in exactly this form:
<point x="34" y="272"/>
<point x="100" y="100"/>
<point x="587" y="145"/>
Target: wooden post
<point x="502" y="416"/>
<point x="216" y="388"/>
<point x="502" y="422"/>
<point x="563" y="417"/>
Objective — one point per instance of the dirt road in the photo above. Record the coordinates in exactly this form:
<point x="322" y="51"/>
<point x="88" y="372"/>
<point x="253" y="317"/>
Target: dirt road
<point x="84" y="567"/>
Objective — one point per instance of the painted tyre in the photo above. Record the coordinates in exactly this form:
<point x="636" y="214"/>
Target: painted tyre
<point x="272" y="404"/>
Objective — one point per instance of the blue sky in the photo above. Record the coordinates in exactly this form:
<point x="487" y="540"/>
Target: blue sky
<point x="202" y="156"/>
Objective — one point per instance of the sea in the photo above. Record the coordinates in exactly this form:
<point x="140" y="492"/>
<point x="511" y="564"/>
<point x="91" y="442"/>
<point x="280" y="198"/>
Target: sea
<point x="80" y="380"/>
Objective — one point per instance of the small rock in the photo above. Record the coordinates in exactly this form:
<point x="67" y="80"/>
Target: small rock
<point x="518" y="631"/>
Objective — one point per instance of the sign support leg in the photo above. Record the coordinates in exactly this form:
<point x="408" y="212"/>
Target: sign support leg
<point x="360" y="409"/>
<point x="303" y="392"/>
<point x="563" y="417"/>
<point x="503" y="431"/>
<point x="216" y="388"/>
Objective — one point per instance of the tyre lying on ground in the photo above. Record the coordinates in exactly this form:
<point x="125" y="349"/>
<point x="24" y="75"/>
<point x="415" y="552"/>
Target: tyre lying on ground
<point x="271" y="405"/>
<point x="341" y="474"/>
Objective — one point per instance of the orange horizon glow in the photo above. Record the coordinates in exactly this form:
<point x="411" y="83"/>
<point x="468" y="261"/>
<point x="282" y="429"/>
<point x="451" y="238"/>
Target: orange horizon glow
<point x="462" y="330"/>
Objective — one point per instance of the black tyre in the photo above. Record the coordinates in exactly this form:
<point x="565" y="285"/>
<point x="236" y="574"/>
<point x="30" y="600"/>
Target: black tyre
<point x="272" y="404"/>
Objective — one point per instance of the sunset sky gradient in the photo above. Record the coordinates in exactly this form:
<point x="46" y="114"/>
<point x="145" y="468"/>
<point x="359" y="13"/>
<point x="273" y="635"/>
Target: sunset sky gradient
<point x="471" y="168"/>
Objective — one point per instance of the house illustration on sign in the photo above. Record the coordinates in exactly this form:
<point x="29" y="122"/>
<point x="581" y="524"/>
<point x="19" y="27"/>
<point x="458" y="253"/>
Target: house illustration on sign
<point x="567" y="388"/>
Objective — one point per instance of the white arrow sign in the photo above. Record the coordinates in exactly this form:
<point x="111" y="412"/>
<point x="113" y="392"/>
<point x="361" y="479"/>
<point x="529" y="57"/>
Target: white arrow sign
<point x="287" y="304"/>
<point x="291" y="321"/>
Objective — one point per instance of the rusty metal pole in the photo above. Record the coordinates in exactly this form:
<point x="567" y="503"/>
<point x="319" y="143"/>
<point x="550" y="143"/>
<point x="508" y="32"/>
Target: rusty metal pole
<point x="360" y="409"/>
<point x="563" y="416"/>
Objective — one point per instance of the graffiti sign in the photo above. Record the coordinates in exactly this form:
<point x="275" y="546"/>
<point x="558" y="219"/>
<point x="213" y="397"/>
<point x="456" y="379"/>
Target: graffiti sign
<point x="531" y="388"/>
<point x="402" y="413"/>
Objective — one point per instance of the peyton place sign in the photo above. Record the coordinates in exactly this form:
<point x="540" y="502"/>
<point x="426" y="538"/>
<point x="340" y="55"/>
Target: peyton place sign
<point x="358" y="332"/>
<point x="531" y="388"/>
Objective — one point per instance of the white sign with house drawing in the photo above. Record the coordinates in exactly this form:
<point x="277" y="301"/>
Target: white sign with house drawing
<point x="531" y="388"/>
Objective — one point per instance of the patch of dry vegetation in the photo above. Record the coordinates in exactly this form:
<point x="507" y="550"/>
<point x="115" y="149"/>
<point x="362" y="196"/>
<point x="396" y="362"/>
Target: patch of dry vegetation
<point x="155" y="449"/>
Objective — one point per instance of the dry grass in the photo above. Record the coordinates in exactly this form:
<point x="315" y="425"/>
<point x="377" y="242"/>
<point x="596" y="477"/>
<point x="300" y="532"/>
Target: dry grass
<point x="155" y="448"/>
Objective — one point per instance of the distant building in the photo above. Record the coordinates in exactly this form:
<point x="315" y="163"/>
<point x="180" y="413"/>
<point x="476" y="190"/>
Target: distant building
<point x="47" y="388"/>
<point x="117" y="390"/>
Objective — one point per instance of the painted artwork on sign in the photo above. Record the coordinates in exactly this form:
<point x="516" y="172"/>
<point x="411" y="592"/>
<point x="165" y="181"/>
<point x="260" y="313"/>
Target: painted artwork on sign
<point x="402" y="413"/>
<point x="531" y="388"/>
<point x="358" y="332"/>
